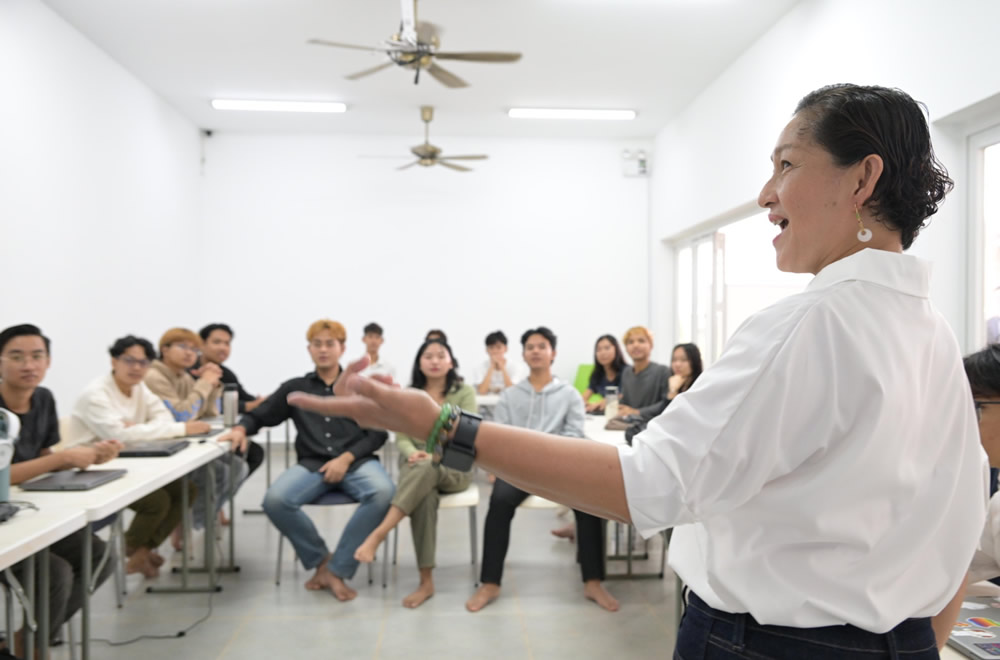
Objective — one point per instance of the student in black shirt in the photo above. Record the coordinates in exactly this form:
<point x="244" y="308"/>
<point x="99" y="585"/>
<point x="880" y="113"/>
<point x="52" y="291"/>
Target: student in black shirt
<point x="334" y="453"/>
<point x="24" y="359"/>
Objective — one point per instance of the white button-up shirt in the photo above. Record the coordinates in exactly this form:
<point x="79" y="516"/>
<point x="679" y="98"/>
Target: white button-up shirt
<point x="827" y="469"/>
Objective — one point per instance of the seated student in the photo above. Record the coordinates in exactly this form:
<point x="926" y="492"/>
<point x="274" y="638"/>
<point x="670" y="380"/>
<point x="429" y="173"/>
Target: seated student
<point x="686" y="367"/>
<point x="187" y="400"/>
<point x="608" y="367"/>
<point x="541" y="403"/>
<point x="333" y="453"/>
<point x="644" y="383"/>
<point x="24" y="359"/>
<point x="421" y="478"/>
<point x="983" y="372"/>
<point x="217" y="339"/>
<point x="373" y="340"/>
<point x="119" y="406"/>
<point x="496" y="373"/>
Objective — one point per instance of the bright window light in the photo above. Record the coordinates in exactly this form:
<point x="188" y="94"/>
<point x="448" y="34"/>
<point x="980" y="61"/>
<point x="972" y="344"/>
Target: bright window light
<point x="278" y="106"/>
<point x="555" y="113"/>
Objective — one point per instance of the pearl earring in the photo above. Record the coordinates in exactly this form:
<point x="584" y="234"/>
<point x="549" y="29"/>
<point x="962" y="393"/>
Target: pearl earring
<point x="864" y="234"/>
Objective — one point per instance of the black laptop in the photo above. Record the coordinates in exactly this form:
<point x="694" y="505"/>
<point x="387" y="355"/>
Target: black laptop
<point x="146" y="448"/>
<point x="73" y="480"/>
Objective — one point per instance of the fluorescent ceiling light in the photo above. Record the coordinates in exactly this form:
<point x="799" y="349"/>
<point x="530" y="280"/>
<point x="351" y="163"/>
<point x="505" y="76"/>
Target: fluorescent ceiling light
<point x="554" y="113"/>
<point x="278" y="106"/>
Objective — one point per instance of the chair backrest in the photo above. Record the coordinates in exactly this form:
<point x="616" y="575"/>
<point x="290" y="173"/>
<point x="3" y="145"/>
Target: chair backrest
<point x="582" y="381"/>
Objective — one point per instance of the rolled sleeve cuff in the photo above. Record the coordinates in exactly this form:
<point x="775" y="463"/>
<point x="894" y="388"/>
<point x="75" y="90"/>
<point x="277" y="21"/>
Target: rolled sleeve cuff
<point x="651" y="490"/>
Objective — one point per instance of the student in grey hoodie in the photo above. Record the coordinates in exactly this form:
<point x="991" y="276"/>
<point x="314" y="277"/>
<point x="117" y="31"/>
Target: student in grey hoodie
<point x="541" y="403"/>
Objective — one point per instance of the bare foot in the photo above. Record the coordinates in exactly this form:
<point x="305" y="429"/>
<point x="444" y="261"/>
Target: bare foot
<point x="156" y="559"/>
<point x="366" y="551"/>
<point x="567" y="532"/>
<point x="595" y="591"/>
<point x="417" y="598"/>
<point x="177" y="538"/>
<point x="485" y="594"/>
<point x="313" y="583"/>
<point x="223" y="519"/>
<point x="337" y="587"/>
<point x="138" y="562"/>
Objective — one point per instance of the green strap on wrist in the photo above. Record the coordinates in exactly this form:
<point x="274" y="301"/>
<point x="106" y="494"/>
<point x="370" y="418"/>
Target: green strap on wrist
<point x="438" y="425"/>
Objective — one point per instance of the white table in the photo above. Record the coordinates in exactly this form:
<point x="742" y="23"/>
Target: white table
<point x="487" y="400"/>
<point x="30" y="532"/>
<point x="593" y="429"/>
<point x="144" y="476"/>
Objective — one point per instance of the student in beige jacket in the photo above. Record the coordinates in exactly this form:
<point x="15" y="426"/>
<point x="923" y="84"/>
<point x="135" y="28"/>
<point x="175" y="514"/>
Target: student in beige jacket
<point x="188" y="399"/>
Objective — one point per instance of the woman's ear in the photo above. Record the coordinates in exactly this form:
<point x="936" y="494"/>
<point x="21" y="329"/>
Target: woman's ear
<point x="867" y="174"/>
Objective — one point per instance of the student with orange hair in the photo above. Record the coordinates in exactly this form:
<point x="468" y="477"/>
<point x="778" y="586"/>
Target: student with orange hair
<point x="188" y="400"/>
<point x="334" y="453"/>
<point x="644" y="382"/>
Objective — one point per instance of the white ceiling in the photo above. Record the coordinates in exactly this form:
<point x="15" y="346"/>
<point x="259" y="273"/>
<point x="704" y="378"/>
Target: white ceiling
<point x="653" y="56"/>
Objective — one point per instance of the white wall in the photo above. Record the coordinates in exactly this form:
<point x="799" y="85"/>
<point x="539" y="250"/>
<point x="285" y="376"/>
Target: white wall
<point x="544" y="232"/>
<point x="99" y="197"/>
<point x="714" y="156"/>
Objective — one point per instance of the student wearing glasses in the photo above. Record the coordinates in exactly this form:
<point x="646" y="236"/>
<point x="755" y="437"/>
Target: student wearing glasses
<point x="119" y="406"/>
<point x="188" y="400"/>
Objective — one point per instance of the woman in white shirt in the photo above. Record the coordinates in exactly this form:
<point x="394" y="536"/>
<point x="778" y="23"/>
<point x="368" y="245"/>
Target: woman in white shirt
<point x="825" y="473"/>
<point x="119" y="406"/>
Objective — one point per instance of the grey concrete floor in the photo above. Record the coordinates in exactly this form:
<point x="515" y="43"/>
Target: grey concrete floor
<point x="540" y="614"/>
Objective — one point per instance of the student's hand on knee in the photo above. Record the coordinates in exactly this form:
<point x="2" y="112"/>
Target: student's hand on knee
<point x="333" y="471"/>
<point x="417" y="456"/>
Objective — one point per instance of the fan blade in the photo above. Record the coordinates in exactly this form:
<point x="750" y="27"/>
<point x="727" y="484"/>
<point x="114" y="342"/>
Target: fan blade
<point x="368" y="72"/>
<point x="406" y="167"/>
<point x="452" y="166"/>
<point x="371" y="49"/>
<point x="445" y="77"/>
<point x="480" y="57"/>
<point x="463" y="157"/>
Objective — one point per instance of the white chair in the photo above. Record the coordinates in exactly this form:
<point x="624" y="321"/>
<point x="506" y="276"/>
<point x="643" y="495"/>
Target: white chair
<point x="468" y="498"/>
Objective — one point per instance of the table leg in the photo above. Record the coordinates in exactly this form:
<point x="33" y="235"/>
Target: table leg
<point x="29" y="634"/>
<point x="42" y="603"/>
<point x="88" y="558"/>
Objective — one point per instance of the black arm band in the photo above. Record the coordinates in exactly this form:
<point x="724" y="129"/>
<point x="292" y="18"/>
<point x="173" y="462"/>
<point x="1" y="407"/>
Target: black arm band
<point x="460" y="452"/>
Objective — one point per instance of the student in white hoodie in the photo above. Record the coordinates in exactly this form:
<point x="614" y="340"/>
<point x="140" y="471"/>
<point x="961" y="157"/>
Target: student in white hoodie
<point x="119" y="406"/>
<point x="540" y="403"/>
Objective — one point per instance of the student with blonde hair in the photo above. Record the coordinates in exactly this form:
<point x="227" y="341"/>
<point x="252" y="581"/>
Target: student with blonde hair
<point x="644" y="382"/>
<point x="334" y="453"/>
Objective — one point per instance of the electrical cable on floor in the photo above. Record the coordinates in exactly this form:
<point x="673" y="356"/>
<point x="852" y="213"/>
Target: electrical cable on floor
<point x="176" y="635"/>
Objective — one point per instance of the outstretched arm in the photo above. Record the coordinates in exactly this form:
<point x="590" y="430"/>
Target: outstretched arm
<point x="579" y="473"/>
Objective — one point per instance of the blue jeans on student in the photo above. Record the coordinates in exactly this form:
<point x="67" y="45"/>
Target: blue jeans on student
<point x="710" y="634"/>
<point x="368" y="484"/>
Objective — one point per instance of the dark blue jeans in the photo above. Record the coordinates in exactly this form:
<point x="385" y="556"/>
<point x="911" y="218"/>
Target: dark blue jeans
<point x="709" y="634"/>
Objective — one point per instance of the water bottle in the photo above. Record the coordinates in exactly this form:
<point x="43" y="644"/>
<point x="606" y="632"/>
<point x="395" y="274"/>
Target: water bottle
<point x="230" y="404"/>
<point x="10" y="427"/>
<point x="611" y="401"/>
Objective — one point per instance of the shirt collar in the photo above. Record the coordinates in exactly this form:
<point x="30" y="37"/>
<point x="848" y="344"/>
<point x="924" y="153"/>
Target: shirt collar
<point x="901" y="272"/>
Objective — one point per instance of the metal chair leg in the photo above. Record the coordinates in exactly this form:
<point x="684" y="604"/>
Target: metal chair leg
<point x="473" y="542"/>
<point x="395" y="544"/>
<point x="277" y="569"/>
<point x="71" y="638"/>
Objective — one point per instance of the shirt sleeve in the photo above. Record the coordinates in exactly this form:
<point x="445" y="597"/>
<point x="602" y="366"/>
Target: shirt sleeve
<point x="184" y="410"/>
<point x="369" y="443"/>
<point x="98" y="413"/>
<point x="51" y="433"/>
<point x="405" y="445"/>
<point x="661" y="387"/>
<point x="575" y="416"/>
<point x="986" y="562"/>
<point x="465" y="398"/>
<point x="273" y="411"/>
<point x="748" y="420"/>
<point x="501" y="413"/>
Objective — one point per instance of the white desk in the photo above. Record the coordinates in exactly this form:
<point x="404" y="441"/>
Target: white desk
<point x="30" y="531"/>
<point x="144" y="476"/>
<point x="487" y="400"/>
<point x="593" y="429"/>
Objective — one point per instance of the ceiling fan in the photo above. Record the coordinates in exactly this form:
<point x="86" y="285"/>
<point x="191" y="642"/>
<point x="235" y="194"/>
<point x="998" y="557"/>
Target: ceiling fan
<point x="415" y="47"/>
<point x="427" y="154"/>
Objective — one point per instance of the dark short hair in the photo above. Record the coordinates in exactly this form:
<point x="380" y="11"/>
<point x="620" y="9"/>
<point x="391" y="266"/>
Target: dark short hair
<point x="128" y="341"/>
<point x="540" y="330"/>
<point x="373" y="329"/>
<point x="207" y="331"/>
<point x="852" y="122"/>
<point x="23" y="330"/>
<point x="983" y="371"/>
<point x="497" y="337"/>
<point x="436" y="332"/>
<point x="452" y="380"/>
